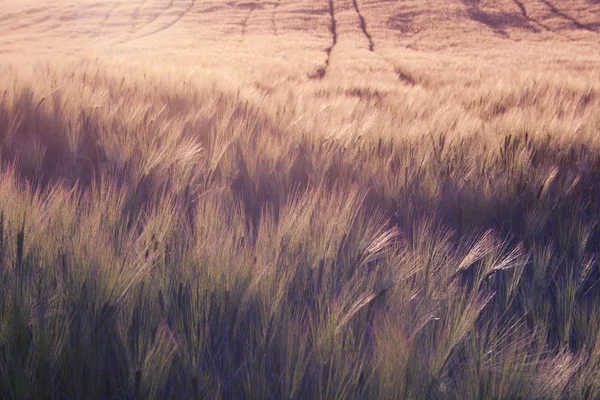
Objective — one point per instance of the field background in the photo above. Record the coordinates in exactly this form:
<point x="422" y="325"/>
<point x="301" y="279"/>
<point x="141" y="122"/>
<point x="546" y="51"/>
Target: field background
<point x="274" y="40"/>
<point x="299" y="199"/>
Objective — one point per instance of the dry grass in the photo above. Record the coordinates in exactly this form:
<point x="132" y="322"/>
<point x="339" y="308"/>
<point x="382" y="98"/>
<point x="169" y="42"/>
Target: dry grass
<point x="413" y="223"/>
<point x="181" y="240"/>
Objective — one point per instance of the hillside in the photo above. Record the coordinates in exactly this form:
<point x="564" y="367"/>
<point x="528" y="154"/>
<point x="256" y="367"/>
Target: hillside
<point x="297" y="38"/>
<point x="344" y="199"/>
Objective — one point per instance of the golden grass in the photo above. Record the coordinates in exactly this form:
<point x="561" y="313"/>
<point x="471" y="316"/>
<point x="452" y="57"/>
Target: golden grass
<point x="416" y="218"/>
<point x="187" y="239"/>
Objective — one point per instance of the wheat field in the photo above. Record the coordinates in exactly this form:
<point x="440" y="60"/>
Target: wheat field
<point x="299" y="199"/>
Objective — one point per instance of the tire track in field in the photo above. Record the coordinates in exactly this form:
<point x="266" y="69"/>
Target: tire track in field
<point x="32" y="11"/>
<point x="569" y="18"/>
<point x="322" y="71"/>
<point x="363" y="25"/>
<point x="107" y="17"/>
<point x="31" y="24"/>
<point x="521" y="5"/>
<point x="404" y="77"/>
<point x="244" y="23"/>
<point x="135" y="17"/>
<point x="31" y="18"/>
<point x="401" y="75"/>
<point x="273" y="23"/>
<point x="159" y="13"/>
<point x="167" y="26"/>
